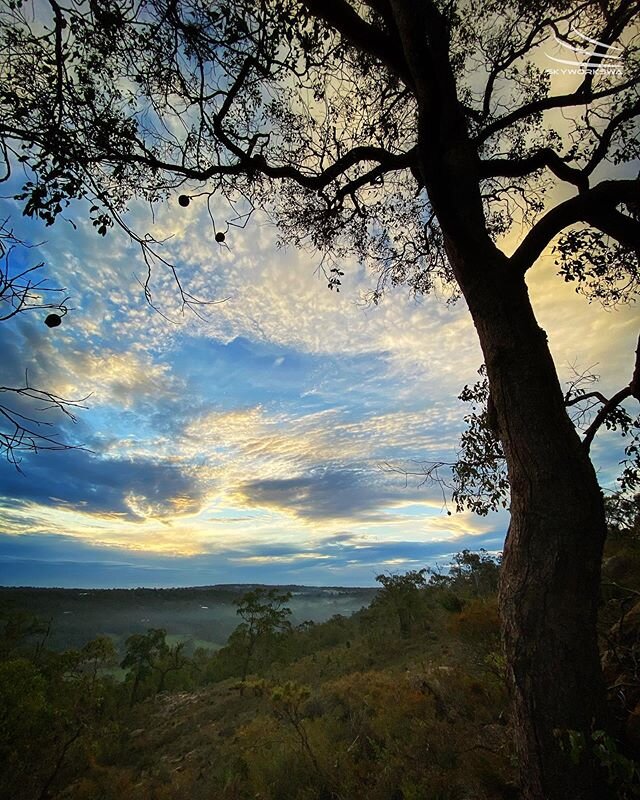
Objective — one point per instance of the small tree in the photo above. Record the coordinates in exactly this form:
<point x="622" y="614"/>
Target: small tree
<point x="171" y="659"/>
<point x="21" y="631"/>
<point x="264" y="615"/>
<point x="288" y="702"/>
<point x="97" y="654"/>
<point x="403" y="595"/>
<point x="623" y="515"/>
<point x="142" y="652"/>
<point x="476" y="572"/>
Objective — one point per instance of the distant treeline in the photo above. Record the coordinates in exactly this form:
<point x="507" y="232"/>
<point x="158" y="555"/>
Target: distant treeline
<point x="205" y="614"/>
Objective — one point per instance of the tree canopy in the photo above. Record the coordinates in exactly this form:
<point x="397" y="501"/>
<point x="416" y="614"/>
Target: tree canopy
<point x="264" y="615"/>
<point x="312" y="111"/>
<point x="318" y="101"/>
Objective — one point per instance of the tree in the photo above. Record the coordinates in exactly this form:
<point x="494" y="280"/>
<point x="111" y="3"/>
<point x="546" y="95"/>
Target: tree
<point x="18" y="629"/>
<point x="402" y="593"/>
<point x="414" y="134"/>
<point x="623" y="515"/>
<point x="172" y="659"/>
<point x="142" y="653"/>
<point x="96" y="654"/>
<point x="264" y="615"/>
<point x="51" y="710"/>
<point x="288" y="701"/>
<point x="146" y="653"/>
<point x="476" y="572"/>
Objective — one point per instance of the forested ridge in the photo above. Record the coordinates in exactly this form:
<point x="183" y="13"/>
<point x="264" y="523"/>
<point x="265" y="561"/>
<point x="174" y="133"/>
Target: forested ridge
<point x="406" y="698"/>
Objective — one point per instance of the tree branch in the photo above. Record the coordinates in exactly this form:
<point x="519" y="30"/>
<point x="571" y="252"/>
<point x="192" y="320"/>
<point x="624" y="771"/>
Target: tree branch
<point x="20" y="434"/>
<point x="502" y="62"/>
<point x="616" y="23"/>
<point x="586" y="396"/>
<point x="602" y="147"/>
<point x="577" y="98"/>
<point x="519" y="167"/>
<point x="258" y="163"/>
<point x="365" y="37"/>
<point x="632" y="390"/>
<point x="59" y="58"/>
<point x="597" y="207"/>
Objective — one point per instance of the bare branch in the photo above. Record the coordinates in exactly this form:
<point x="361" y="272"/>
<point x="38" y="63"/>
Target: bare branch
<point x="22" y="291"/>
<point x="20" y="433"/>
<point x="632" y="390"/>
<point x="577" y="98"/>
<point x="586" y="396"/>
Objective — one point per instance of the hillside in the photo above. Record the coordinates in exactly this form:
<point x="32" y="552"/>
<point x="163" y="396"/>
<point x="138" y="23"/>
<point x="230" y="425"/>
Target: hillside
<point x="403" y="700"/>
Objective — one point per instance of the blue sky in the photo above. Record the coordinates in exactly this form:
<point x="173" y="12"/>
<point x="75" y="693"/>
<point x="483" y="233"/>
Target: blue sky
<point x="248" y="446"/>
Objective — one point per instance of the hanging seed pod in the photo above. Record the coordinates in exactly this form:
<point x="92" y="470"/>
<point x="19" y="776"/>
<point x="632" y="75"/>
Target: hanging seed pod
<point x="53" y="320"/>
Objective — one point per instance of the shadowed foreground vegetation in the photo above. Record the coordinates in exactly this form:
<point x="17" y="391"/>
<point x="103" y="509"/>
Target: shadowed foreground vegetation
<point x="406" y="698"/>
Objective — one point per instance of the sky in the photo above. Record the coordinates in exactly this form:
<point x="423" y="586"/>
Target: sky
<point x="249" y="444"/>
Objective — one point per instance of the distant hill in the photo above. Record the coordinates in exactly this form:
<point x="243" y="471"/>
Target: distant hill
<point x="204" y="615"/>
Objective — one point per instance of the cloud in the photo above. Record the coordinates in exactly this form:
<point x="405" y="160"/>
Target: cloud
<point x="48" y="559"/>
<point x="131" y="488"/>
<point x="324" y="494"/>
<point x="236" y="437"/>
<point x="116" y="378"/>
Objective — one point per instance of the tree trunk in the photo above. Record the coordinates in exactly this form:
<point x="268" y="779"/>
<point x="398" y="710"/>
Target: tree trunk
<point x="551" y="569"/>
<point x="134" y="690"/>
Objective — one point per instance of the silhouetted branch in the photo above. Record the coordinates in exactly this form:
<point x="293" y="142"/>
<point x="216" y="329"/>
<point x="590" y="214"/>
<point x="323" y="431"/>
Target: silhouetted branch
<point x="340" y="15"/>
<point x="519" y="167"/>
<point x="577" y="98"/>
<point x="632" y="390"/>
<point x="597" y="206"/>
<point x="23" y="290"/>
<point x="21" y="433"/>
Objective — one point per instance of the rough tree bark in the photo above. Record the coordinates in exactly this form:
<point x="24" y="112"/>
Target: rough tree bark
<point x="551" y="567"/>
<point x="553" y="552"/>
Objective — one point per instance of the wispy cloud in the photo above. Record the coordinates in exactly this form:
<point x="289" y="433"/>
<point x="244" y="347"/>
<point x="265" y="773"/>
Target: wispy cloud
<point x="47" y="559"/>
<point x="131" y="488"/>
